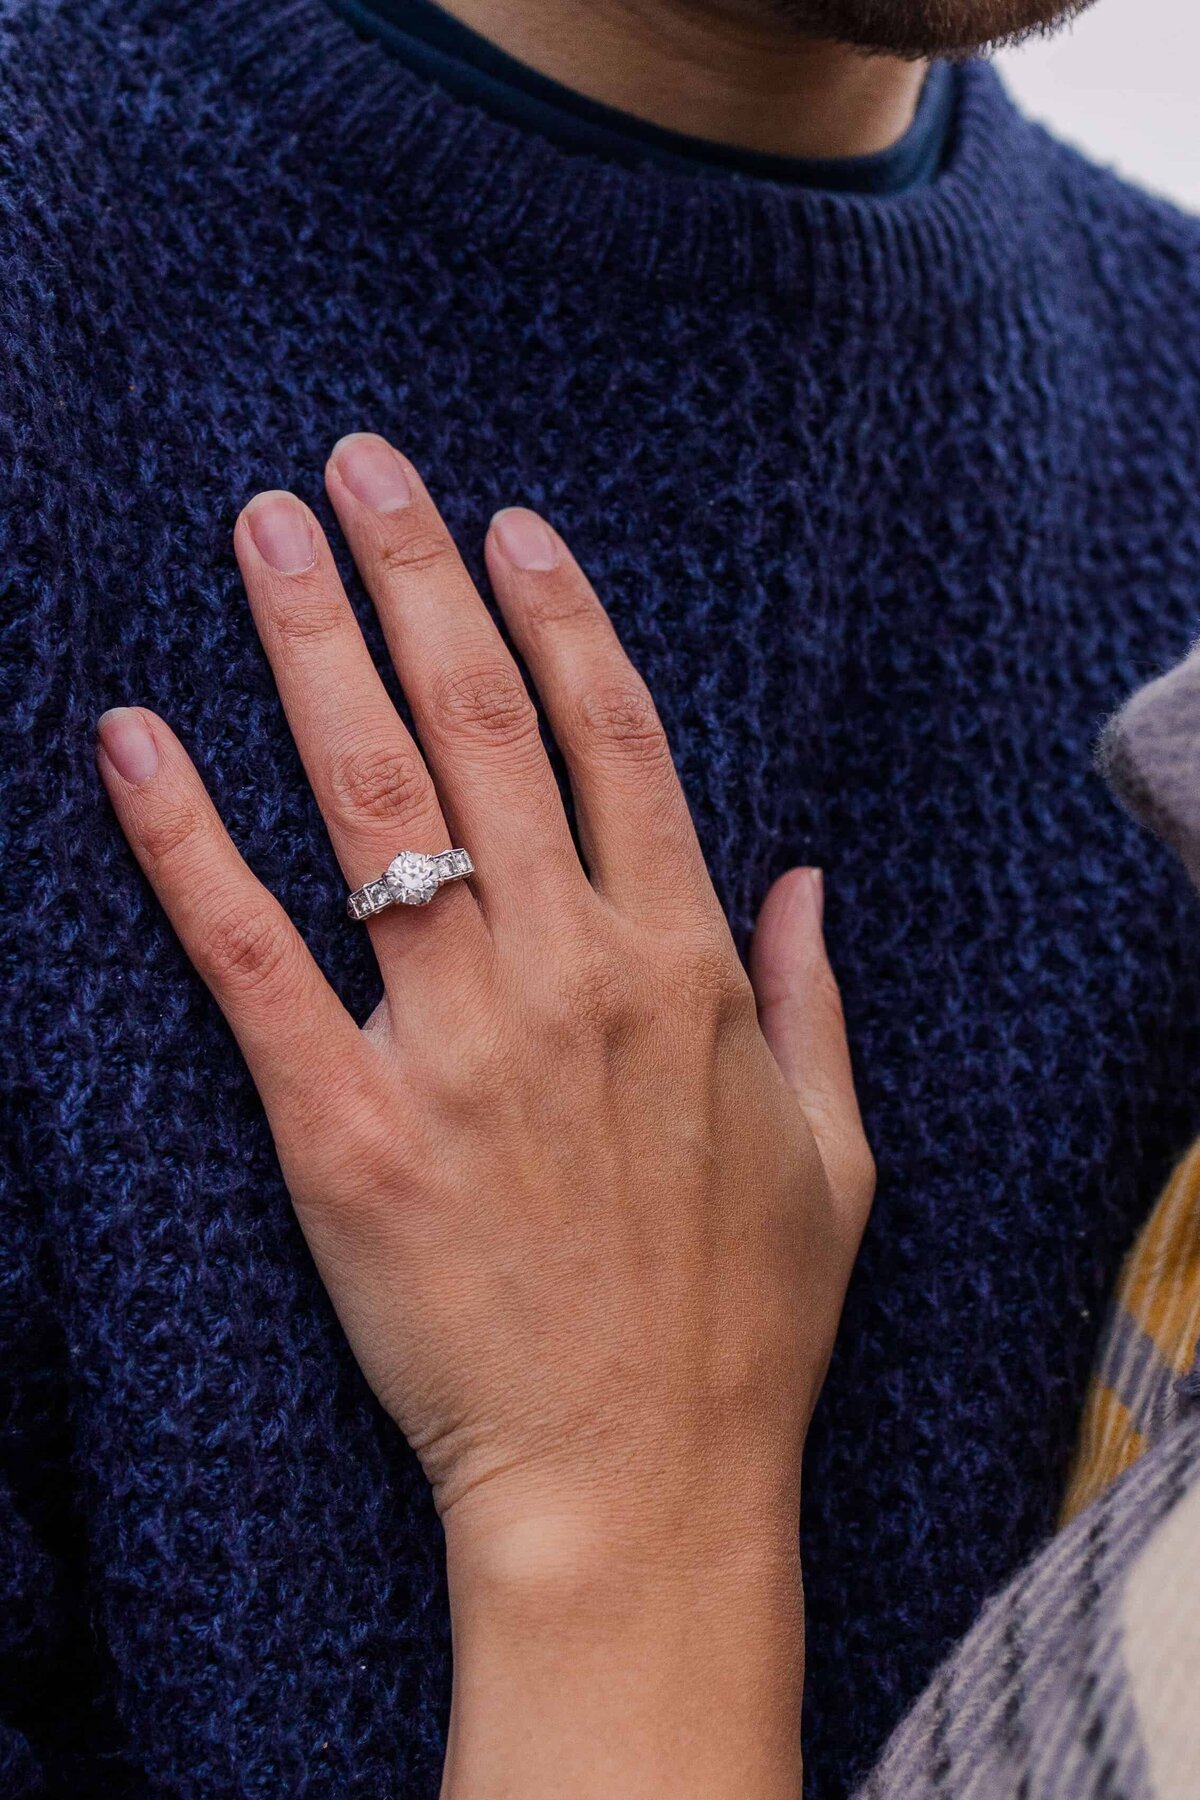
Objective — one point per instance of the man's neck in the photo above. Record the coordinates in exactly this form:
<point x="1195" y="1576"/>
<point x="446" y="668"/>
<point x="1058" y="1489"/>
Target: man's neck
<point x="689" y="69"/>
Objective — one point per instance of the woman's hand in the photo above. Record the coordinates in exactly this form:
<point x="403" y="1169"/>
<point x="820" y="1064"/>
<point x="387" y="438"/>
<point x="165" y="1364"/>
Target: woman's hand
<point x="586" y="1214"/>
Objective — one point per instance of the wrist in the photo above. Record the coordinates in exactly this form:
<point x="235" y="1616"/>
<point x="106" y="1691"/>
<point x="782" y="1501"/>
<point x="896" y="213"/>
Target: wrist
<point x="559" y="1568"/>
<point x="635" y="1523"/>
<point x="666" y="1667"/>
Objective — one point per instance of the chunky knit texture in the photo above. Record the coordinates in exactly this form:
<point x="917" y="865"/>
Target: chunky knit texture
<point x="1079" y="1681"/>
<point x="891" y="501"/>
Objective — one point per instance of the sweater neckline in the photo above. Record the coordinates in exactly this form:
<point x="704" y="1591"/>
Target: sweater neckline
<point x="356" y="117"/>
<point x="435" y="43"/>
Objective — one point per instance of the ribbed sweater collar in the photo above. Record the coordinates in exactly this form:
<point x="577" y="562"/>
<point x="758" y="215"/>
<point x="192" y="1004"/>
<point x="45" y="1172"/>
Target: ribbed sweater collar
<point x="354" y="116"/>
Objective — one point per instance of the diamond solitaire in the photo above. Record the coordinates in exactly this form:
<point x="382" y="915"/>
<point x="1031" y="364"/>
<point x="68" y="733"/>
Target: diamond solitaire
<point x="412" y="878"/>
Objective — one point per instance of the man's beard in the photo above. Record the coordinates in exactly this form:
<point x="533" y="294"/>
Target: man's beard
<point x="917" y="28"/>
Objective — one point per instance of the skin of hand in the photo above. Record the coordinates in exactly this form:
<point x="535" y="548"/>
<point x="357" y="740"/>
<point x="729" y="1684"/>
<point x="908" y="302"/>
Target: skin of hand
<point x="586" y="1200"/>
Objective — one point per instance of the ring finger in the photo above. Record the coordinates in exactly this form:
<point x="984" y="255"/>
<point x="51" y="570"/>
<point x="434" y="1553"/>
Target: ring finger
<point x="470" y="706"/>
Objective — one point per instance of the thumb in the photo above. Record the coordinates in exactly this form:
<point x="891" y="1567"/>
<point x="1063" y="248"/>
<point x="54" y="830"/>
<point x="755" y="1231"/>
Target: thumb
<point x="800" y="1011"/>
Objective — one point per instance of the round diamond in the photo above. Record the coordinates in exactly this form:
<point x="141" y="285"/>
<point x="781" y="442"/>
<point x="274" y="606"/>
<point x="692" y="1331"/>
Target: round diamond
<point x="412" y="878"/>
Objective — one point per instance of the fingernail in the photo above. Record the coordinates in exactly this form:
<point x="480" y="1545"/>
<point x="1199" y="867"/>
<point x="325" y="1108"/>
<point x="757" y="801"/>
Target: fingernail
<point x="128" y="744"/>
<point x="282" y="531"/>
<point x="524" y="539"/>
<point x="372" y="471"/>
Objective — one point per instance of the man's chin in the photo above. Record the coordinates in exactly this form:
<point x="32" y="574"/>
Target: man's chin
<point x="920" y="28"/>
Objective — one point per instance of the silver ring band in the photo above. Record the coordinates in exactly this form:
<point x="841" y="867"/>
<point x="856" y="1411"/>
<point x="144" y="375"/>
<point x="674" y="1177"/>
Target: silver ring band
<point x="411" y="879"/>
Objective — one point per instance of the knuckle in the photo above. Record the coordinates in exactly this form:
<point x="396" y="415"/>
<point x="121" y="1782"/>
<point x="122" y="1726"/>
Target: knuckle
<point x="249" y="951"/>
<point x="489" y="702"/>
<point x="622" y="717"/>
<point x="595" y="990"/>
<point x="378" y="782"/>
<point x="163" y="834"/>
<point x="708" y="966"/>
<point x="411" y="549"/>
<point x="308" y="618"/>
<point x="556" y="601"/>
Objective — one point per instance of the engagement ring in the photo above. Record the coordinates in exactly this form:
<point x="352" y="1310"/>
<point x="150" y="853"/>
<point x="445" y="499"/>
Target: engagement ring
<point x="411" y="879"/>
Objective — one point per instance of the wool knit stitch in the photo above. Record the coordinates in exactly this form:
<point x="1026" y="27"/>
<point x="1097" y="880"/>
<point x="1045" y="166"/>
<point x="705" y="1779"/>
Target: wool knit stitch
<point x="1148" y="1370"/>
<point x="1079" y="1681"/>
<point x="891" y="503"/>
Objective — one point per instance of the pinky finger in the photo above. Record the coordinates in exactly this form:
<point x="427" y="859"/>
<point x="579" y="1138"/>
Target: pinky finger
<point x="291" y="1027"/>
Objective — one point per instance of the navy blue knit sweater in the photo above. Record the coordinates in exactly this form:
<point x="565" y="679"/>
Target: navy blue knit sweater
<point x="892" y="501"/>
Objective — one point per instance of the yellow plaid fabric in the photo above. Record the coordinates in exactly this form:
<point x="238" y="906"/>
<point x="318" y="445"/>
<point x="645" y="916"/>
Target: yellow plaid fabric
<point x="1151" y="1342"/>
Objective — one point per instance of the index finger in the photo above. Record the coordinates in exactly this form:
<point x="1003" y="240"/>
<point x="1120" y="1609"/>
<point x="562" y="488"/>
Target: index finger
<point x="292" y="1029"/>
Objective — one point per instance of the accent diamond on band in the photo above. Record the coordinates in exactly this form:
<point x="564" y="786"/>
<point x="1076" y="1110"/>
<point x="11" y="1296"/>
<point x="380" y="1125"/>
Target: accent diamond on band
<point x="411" y="879"/>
